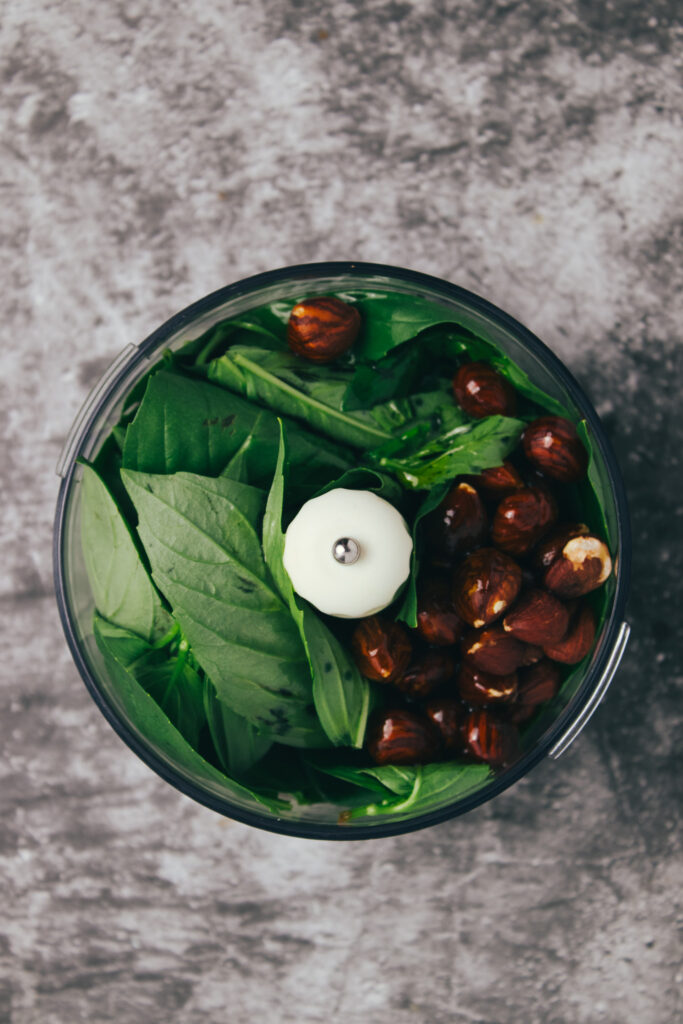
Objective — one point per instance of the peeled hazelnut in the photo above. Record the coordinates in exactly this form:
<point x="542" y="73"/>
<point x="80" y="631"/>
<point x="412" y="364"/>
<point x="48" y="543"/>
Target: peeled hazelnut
<point x="437" y="620"/>
<point x="477" y="687"/>
<point x="427" y="672"/>
<point x="537" y="618"/>
<point x="402" y="737"/>
<point x="482" y="391"/>
<point x="456" y="525"/>
<point x="490" y="740"/>
<point x="498" y="481"/>
<point x="522" y="519"/>
<point x="485" y="585"/>
<point x="447" y="715"/>
<point x="551" y="546"/>
<point x="493" y="650"/>
<point x="322" y="329"/>
<point x="575" y="565"/>
<point x="577" y="641"/>
<point x="381" y="648"/>
<point x="552" y="445"/>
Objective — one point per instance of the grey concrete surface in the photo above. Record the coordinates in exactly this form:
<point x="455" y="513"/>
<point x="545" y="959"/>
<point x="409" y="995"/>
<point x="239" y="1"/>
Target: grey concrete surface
<point x="150" y="153"/>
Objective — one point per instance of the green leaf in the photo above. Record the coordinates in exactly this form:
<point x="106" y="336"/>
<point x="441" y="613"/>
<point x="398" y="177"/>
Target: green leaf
<point x="186" y="425"/>
<point x="364" y="479"/>
<point x="383" y="779"/>
<point x="206" y="558"/>
<point x="464" y="449"/>
<point x="433" y="785"/>
<point x="408" y="611"/>
<point x="391" y="318"/>
<point x="238" y="744"/>
<point x="340" y="694"/>
<point x="156" y="730"/>
<point x="122" y="590"/>
<point x="394" y="376"/>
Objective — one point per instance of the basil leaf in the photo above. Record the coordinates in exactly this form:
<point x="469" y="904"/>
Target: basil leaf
<point x="206" y="558"/>
<point x="155" y="729"/>
<point x="432" y="785"/>
<point x="283" y="384"/>
<point x="238" y="744"/>
<point x="121" y="587"/>
<point x="191" y="426"/>
<point x="340" y="694"/>
<point x="465" y="449"/>
<point x="408" y="610"/>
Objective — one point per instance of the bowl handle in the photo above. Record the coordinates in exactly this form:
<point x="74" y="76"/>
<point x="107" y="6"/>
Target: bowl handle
<point x="597" y="696"/>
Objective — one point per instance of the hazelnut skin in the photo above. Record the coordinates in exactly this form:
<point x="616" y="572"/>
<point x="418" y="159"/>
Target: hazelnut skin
<point x="477" y="687"/>
<point x="537" y="684"/>
<point x="322" y="329"/>
<point x="498" y="481"/>
<point x="577" y="641"/>
<point x="381" y="648"/>
<point x="537" y="618"/>
<point x="552" y="445"/>
<point x="402" y="737"/>
<point x="447" y="715"/>
<point x="573" y="563"/>
<point x="522" y="519"/>
<point x="426" y="673"/>
<point x="481" y="391"/>
<point x="485" y="586"/>
<point x="437" y="620"/>
<point x="488" y="739"/>
<point x="493" y="650"/>
<point x="457" y="524"/>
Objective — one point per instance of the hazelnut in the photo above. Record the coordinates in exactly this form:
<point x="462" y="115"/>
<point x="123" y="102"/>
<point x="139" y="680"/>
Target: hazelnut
<point x="437" y="620"/>
<point x="402" y="737"/>
<point x="498" y="481"/>
<point x="381" y="648"/>
<point x="456" y="525"/>
<point x="485" y="585"/>
<point x="447" y="715"/>
<point x="427" y="672"/>
<point x="477" y="687"/>
<point x="532" y="654"/>
<point x="574" y="563"/>
<point x="552" y="445"/>
<point x="551" y="546"/>
<point x="522" y="519"/>
<point x="577" y="641"/>
<point x="537" y="684"/>
<point x="493" y="650"/>
<point x="537" y="618"/>
<point x="488" y="739"/>
<point x="482" y="391"/>
<point x="322" y="329"/>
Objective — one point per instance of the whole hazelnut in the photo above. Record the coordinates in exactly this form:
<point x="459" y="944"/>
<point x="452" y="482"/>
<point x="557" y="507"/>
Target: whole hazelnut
<point x="498" y="481"/>
<point x="447" y="715"/>
<point x="456" y="525"/>
<point x="398" y="736"/>
<point x="426" y="673"/>
<point x="437" y="620"/>
<point x="493" y="650"/>
<point x="322" y="329"/>
<point x="577" y="641"/>
<point x="573" y="563"/>
<point x="381" y="648"/>
<point x="552" y="445"/>
<point x="537" y="618"/>
<point x="477" y="687"/>
<point x="522" y="518"/>
<point x="537" y="684"/>
<point x="488" y="739"/>
<point x="485" y="586"/>
<point x="482" y="391"/>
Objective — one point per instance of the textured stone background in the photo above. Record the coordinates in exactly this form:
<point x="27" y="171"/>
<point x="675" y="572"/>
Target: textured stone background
<point x="153" y="151"/>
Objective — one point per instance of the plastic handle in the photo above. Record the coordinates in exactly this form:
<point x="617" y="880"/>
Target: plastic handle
<point x="94" y="398"/>
<point x="598" y="694"/>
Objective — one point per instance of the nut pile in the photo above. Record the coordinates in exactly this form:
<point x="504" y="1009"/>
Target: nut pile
<point x="499" y="599"/>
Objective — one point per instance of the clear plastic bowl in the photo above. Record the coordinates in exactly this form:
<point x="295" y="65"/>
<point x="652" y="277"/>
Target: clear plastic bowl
<point x="102" y="410"/>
